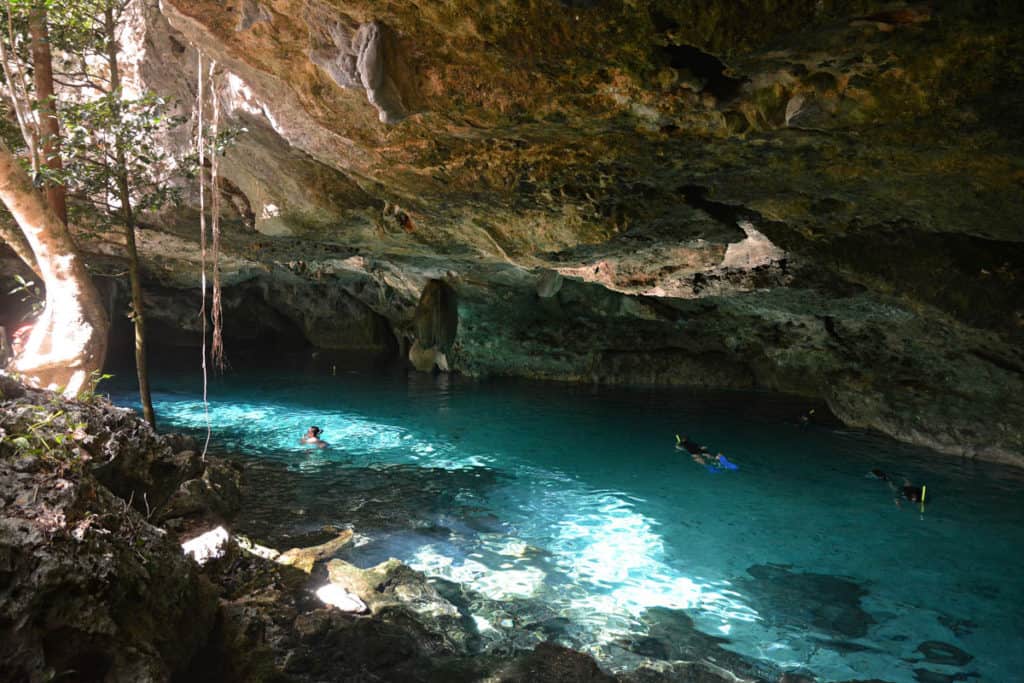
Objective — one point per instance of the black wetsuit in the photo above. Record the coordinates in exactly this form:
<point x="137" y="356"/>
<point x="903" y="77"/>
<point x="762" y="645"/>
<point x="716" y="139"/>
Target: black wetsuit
<point x="694" y="447"/>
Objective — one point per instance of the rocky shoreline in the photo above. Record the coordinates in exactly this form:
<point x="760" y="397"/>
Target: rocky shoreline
<point x="94" y="584"/>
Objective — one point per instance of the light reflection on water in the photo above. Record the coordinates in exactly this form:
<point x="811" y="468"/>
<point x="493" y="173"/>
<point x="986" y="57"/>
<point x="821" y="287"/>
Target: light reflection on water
<point x="557" y="504"/>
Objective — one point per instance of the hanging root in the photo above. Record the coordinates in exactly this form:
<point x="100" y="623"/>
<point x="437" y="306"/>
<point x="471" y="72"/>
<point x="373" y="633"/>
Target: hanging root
<point x="201" y="143"/>
<point x="216" y="312"/>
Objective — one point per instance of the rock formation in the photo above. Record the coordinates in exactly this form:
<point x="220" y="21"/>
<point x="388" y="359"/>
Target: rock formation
<point x="823" y="198"/>
<point x="90" y="589"/>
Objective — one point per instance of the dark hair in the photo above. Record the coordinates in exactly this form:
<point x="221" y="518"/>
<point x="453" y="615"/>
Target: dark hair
<point x="316" y="430"/>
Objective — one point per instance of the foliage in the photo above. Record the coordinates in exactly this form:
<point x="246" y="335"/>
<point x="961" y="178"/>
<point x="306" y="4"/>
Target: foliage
<point x="52" y="430"/>
<point x="95" y="131"/>
<point x="46" y="432"/>
<point x="97" y="117"/>
<point x="88" y="392"/>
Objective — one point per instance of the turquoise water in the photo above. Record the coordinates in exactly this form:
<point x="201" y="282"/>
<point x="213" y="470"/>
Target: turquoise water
<point x="566" y="513"/>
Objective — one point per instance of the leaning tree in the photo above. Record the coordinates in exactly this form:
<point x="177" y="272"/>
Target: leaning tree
<point x="68" y="343"/>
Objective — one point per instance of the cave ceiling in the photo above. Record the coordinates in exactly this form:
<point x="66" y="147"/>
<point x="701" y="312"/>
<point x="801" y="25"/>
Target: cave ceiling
<point x="813" y="187"/>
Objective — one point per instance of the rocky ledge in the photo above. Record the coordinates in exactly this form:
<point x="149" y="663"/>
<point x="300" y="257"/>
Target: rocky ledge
<point x="90" y="587"/>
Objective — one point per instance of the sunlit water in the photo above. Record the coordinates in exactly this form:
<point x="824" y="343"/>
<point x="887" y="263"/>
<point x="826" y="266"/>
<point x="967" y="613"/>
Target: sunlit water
<point x="566" y="513"/>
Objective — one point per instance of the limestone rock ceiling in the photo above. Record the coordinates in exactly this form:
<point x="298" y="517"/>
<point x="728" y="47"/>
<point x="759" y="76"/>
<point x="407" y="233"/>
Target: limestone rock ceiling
<point x="823" y="197"/>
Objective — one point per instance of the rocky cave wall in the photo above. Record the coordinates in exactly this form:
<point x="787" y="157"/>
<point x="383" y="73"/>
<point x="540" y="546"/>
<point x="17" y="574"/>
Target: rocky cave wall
<point x="824" y="198"/>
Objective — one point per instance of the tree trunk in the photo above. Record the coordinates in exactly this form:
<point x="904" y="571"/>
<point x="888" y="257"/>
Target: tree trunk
<point x="138" y="318"/>
<point x="49" y="126"/>
<point x="128" y="216"/>
<point x="12" y="235"/>
<point x="68" y="342"/>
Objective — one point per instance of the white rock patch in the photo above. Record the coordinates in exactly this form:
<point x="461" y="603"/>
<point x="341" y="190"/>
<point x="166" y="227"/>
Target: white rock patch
<point x="336" y="596"/>
<point x="208" y="546"/>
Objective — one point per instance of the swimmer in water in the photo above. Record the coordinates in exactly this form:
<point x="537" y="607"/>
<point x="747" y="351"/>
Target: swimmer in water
<point x="915" y="494"/>
<point x="909" y="492"/>
<point x="877" y="474"/>
<point x="312" y="437"/>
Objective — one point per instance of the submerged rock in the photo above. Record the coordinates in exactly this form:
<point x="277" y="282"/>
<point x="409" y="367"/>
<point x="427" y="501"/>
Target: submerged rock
<point x="550" y="663"/>
<point x="807" y="601"/>
<point x="926" y="676"/>
<point x="936" y="652"/>
<point x="674" y="638"/>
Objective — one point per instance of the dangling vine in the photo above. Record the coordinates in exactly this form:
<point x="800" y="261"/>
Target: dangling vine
<point x="201" y="144"/>
<point x="212" y="142"/>
<point x="216" y="312"/>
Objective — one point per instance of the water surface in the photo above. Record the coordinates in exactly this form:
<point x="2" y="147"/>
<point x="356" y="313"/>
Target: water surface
<point x="566" y="513"/>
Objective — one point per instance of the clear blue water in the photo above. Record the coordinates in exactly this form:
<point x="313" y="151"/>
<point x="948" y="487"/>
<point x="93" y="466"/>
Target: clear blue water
<point x="566" y="513"/>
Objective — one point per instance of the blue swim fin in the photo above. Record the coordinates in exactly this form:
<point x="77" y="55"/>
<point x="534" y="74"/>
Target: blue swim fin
<point x="726" y="464"/>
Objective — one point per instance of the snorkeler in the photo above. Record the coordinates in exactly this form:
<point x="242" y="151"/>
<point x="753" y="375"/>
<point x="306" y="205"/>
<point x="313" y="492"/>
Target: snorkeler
<point x="915" y="494"/>
<point x="876" y="473"/>
<point x="909" y="492"/>
<point x="312" y="437"/>
<point x="805" y="419"/>
<point x="700" y="455"/>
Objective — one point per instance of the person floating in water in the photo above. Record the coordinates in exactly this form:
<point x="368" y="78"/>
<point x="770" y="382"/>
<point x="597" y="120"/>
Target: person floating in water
<point x="910" y="492"/>
<point x="915" y="494"/>
<point x="312" y="437"/>
<point x="700" y="455"/>
<point x="805" y="419"/>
